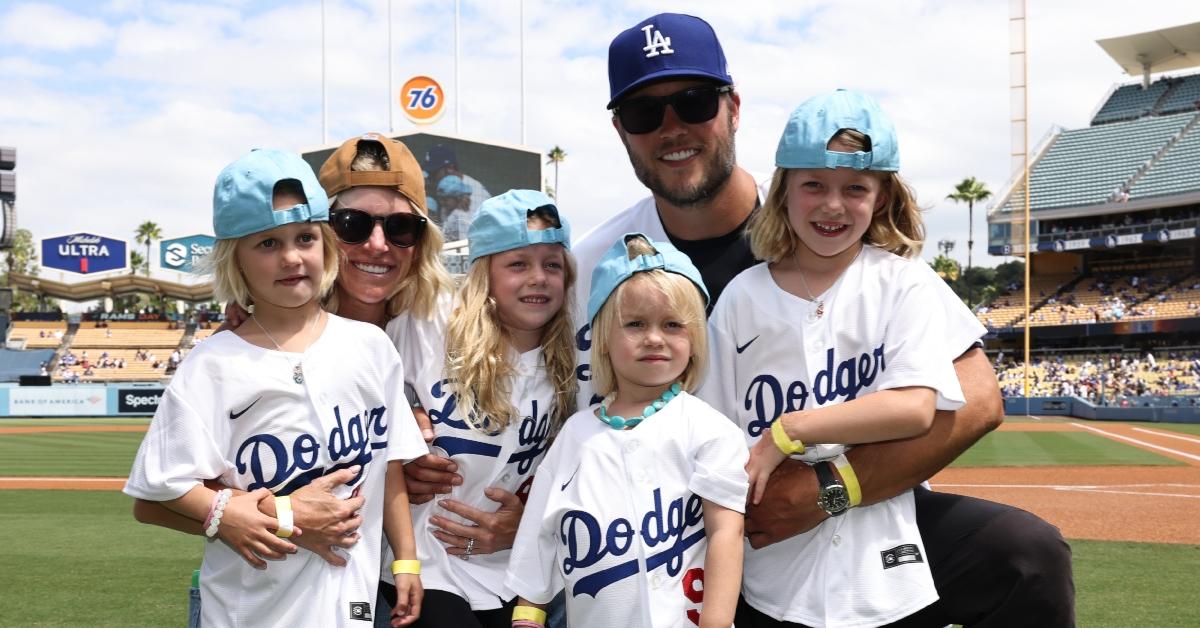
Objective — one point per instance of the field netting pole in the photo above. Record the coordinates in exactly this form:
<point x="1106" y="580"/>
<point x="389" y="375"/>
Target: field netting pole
<point x="1019" y="138"/>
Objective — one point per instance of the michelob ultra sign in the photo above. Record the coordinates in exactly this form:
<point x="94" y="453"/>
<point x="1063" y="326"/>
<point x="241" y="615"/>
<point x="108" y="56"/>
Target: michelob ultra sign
<point x="182" y="254"/>
<point x="84" y="253"/>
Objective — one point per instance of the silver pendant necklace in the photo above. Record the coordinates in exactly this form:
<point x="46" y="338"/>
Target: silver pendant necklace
<point x="820" y="311"/>
<point x="297" y="368"/>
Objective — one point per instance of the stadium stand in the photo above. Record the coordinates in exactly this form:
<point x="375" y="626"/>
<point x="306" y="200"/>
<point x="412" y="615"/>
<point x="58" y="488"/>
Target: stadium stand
<point x="14" y="364"/>
<point x="1109" y="376"/>
<point x="1175" y="172"/>
<point x="1130" y="101"/>
<point x="38" y="334"/>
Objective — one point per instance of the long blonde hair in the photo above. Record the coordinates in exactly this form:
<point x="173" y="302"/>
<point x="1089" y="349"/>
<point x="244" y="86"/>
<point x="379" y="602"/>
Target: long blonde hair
<point x="480" y="358"/>
<point x="896" y="226"/>
<point x="683" y="299"/>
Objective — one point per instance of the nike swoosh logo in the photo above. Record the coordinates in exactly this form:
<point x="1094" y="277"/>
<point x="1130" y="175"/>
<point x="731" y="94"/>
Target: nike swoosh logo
<point x="234" y="415"/>
<point x="743" y="347"/>
<point x="569" y="480"/>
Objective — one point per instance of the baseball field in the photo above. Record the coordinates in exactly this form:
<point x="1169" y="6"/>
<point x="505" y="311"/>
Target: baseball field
<point x="1126" y="495"/>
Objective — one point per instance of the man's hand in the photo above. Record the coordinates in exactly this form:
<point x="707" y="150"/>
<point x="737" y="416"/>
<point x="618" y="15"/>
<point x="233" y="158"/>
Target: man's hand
<point x="429" y="476"/>
<point x="789" y="506"/>
<point x="327" y="521"/>
<point x="493" y="532"/>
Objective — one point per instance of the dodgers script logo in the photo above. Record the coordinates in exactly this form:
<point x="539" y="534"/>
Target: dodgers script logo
<point x="656" y="43"/>
<point x="531" y="434"/>
<point x="586" y="541"/>
<point x="767" y="398"/>
<point x="351" y="441"/>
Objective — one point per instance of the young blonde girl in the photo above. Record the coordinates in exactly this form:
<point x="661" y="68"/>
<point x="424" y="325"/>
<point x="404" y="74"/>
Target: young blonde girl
<point x="495" y="370"/>
<point x="272" y="406"/>
<point x="840" y="338"/>
<point x="637" y="509"/>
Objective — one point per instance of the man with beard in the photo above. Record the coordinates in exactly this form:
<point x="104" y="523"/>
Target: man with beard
<point x="676" y="111"/>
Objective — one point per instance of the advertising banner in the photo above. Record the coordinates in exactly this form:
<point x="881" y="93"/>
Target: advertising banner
<point x="138" y="400"/>
<point x="84" y="253"/>
<point x="182" y="254"/>
<point x="58" y="401"/>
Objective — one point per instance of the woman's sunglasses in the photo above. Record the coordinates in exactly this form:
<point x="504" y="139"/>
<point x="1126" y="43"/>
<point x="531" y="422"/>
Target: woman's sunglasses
<point x="354" y="226"/>
<point x="694" y="105"/>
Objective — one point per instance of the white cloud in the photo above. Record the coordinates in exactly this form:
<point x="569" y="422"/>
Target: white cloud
<point x="48" y="27"/>
<point x="169" y="92"/>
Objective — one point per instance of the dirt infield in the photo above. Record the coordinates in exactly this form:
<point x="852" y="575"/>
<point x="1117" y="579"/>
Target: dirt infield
<point x="1126" y="503"/>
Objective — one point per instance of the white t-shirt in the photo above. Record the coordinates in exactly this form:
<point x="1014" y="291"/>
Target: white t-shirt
<point x="641" y="217"/>
<point x="506" y="460"/>
<point x="886" y="324"/>
<point x="616" y="517"/>
<point x="234" y="413"/>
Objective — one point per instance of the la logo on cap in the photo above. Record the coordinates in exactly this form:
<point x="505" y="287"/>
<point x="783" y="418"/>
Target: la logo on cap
<point x="656" y="43"/>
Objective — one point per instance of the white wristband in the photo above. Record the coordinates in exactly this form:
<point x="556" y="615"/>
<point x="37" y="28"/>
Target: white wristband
<point x="218" y="512"/>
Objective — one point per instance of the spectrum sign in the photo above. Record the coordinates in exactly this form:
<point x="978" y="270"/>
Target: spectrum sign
<point x="182" y="254"/>
<point x="84" y="253"/>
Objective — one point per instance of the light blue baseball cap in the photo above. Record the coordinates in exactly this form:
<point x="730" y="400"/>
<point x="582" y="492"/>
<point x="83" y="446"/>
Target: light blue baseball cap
<point x="453" y="185"/>
<point x="245" y="189"/>
<point x="502" y="223"/>
<point x="615" y="267"/>
<point x="809" y="128"/>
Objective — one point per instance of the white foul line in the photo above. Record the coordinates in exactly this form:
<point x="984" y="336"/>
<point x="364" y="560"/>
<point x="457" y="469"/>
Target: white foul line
<point x="1138" y="442"/>
<point x="1168" y="435"/>
<point x="1085" y="488"/>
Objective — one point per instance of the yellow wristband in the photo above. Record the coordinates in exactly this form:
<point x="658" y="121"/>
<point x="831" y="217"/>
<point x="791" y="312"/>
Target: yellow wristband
<point x="785" y="444"/>
<point x="535" y="615"/>
<point x="285" y="517"/>
<point x="406" y="567"/>
<point x="849" y="478"/>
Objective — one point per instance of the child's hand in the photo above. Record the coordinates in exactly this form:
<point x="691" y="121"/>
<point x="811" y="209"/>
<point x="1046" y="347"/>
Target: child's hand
<point x="764" y="457"/>
<point x="251" y="533"/>
<point x="409" y="594"/>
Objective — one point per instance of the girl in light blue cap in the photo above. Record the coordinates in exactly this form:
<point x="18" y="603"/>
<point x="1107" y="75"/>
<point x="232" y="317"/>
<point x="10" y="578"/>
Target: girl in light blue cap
<point x="291" y="396"/>
<point x="495" y="369"/>
<point x="839" y="337"/>
<point x="637" y="510"/>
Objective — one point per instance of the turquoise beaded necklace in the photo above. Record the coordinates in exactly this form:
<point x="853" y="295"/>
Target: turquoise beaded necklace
<point x="620" y="422"/>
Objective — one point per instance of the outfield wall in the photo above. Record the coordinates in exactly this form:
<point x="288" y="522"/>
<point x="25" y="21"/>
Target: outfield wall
<point x="1081" y="408"/>
<point x="79" y="400"/>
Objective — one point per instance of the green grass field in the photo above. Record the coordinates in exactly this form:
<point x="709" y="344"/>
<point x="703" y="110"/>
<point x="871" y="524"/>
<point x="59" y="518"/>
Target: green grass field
<point x="77" y="558"/>
<point x="1015" y="449"/>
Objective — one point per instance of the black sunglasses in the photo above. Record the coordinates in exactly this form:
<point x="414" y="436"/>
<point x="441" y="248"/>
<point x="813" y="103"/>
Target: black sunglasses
<point x="354" y="226"/>
<point x="693" y="105"/>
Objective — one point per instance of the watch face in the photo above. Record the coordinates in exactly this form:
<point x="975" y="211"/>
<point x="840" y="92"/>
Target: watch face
<point x="834" y="499"/>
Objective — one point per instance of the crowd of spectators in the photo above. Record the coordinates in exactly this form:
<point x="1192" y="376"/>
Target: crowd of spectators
<point x="1104" y="378"/>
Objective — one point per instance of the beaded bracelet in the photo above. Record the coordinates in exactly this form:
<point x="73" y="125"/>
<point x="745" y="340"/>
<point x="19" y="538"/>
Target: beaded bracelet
<point x="220" y="500"/>
<point x="525" y="623"/>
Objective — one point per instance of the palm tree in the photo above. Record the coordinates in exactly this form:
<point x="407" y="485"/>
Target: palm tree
<point x="556" y="156"/>
<point x="147" y="233"/>
<point x="137" y="262"/>
<point x="969" y="191"/>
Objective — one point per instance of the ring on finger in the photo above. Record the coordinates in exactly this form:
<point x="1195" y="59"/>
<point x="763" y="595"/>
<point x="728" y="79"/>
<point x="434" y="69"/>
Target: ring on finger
<point x="470" y="548"/>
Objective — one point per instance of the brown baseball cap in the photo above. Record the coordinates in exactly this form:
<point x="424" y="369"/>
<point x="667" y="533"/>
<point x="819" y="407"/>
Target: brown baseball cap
<point x="403" y="173"/>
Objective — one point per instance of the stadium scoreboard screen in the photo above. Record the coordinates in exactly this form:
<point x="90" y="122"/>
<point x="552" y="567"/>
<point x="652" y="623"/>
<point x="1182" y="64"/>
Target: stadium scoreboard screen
<point x="460" y="174"/>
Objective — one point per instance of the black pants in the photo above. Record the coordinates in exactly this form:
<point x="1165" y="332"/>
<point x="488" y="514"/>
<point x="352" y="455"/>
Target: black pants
<point x="441" y="609"/>
<point x="993" y="565"/>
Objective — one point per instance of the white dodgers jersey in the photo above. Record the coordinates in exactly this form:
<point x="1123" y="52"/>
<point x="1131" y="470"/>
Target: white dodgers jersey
<point x="885" y="324"/>
<point x="616" y="516"/>
<point x="506" y="460"/>
<point x="234" y="413"/>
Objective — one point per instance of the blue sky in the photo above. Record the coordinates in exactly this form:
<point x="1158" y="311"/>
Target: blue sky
<point x="125" y="110"/>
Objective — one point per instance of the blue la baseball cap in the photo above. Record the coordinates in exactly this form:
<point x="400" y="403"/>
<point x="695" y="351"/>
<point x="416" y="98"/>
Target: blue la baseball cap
<point x="664" y="46"/>
<point x="245" y="189"/>
<point x="615" y="267"/>
<point x="502" y="223"/>
<point x="805" y="139"/>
